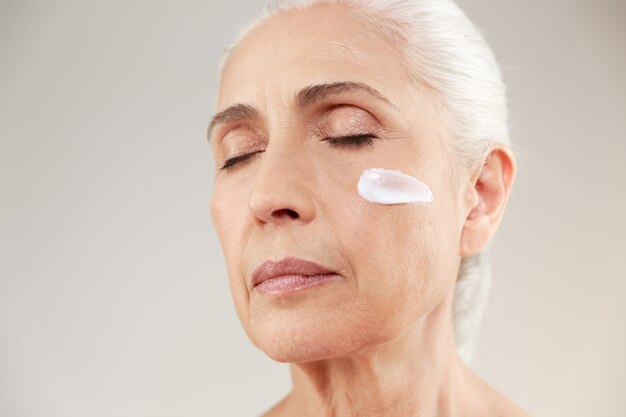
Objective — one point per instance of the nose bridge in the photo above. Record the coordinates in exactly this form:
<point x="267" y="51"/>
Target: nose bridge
<point x="282" y="182"/>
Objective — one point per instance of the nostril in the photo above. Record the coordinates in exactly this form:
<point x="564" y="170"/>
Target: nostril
<point x="285" y="212"/>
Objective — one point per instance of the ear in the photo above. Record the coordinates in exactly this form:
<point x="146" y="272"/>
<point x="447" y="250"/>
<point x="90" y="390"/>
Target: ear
<point x="487" y="198"/>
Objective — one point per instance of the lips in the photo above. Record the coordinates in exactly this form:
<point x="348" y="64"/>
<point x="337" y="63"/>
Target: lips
<point x="287" y="266"/>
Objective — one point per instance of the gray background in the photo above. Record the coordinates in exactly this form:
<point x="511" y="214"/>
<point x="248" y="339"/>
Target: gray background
<point x="114" y="299"/>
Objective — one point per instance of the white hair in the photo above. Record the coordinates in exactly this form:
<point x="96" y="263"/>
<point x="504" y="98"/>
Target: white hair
<point x="444" y="50"/>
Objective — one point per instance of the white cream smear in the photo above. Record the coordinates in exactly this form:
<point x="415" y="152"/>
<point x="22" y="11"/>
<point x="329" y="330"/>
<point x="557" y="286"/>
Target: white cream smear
<point x="392" y="186"/>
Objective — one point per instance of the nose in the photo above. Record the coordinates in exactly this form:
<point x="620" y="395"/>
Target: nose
<point x="281" y="193"/>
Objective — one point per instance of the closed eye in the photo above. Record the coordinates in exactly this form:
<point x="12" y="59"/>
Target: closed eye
<point x="239" y="158"/>
<point x="351" y="141"/>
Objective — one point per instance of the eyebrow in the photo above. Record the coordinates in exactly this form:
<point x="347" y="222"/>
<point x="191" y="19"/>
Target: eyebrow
<point x="304" y="98"/>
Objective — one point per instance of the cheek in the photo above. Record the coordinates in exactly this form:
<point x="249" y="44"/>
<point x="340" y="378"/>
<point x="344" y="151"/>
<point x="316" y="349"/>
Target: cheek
<point x="229" y="219"/>
<point x="400" y="253"/>
<point x="224" y="217"/>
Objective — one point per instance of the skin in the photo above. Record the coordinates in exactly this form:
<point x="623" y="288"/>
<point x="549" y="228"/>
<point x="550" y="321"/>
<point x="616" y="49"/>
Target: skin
<point x="379" y="341"/>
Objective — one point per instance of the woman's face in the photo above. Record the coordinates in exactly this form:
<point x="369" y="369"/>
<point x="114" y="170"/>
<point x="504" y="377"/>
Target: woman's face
<point x="295" y="195"/>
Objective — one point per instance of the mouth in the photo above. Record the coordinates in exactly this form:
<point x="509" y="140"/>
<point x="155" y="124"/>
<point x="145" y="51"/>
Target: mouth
<point x="290" y="274"/>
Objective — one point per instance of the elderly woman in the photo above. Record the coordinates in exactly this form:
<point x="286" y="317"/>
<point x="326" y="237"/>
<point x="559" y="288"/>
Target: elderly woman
<point x="362" y="167"/>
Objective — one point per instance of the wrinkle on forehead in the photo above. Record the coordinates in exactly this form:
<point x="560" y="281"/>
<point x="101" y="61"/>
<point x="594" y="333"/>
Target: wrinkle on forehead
<point x="338" y="51"/>
<point x="317" y="29"/>
<point x="289" y="51"/>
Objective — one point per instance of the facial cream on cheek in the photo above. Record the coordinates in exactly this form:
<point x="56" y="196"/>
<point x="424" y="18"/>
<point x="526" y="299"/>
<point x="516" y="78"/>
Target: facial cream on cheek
<point x="391" y="186"/>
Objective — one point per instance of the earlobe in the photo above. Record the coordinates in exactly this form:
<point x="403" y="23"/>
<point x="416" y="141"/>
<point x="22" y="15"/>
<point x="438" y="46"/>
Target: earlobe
<point x="488" y="197"/>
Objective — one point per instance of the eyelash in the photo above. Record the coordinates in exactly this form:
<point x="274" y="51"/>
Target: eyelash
<point x="349" y="141"/>
<point x="233" y="161"/>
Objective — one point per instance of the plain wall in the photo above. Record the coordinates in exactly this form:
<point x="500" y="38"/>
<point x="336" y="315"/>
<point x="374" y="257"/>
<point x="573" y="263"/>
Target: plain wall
<point x="114" y="299"/>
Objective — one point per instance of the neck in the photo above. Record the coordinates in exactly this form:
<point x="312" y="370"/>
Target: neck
<point x="417" y="374"/>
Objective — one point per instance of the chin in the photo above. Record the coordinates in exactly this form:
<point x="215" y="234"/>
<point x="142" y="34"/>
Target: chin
<point x="305" y="342"/>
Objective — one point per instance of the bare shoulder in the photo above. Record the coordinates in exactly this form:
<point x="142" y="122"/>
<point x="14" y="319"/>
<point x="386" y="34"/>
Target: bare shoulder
<point x="491" y="402"/>
<point x="279" y="409"/>
<point x="508" y="408"/>
<point x="502" y="406"/>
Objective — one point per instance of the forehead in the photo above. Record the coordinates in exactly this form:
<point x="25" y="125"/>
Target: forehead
<point x="321" y="44"/>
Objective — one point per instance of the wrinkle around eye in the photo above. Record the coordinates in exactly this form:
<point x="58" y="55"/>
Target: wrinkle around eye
<point x="223" y="131"/>
<point x="347" y="118"/>
<point x="239" y="140"/>
<point x="366" y="113"/>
